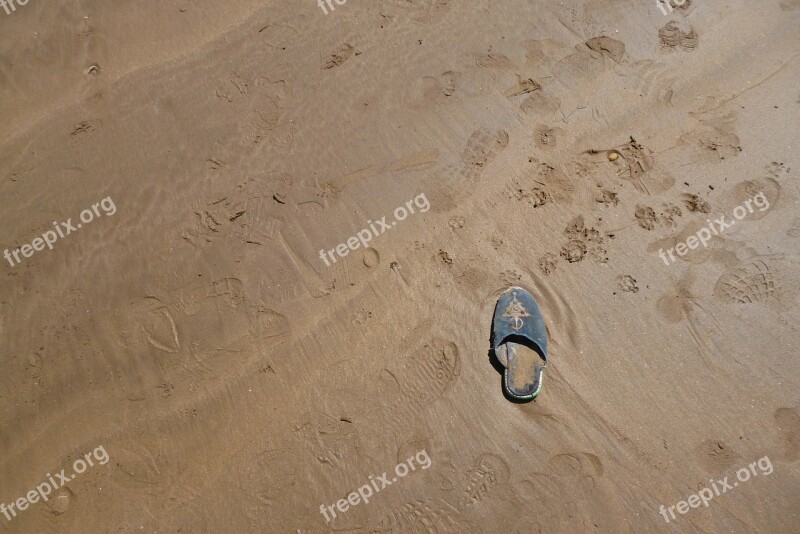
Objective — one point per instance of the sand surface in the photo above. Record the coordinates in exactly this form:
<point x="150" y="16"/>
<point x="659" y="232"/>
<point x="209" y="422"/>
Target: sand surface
<point x="238" y="383"/>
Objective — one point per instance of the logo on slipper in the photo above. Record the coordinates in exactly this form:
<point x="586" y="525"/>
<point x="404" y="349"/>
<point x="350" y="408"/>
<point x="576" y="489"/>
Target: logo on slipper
<point x="516" y="311"/>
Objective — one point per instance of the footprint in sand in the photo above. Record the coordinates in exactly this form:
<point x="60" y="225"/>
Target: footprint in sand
<point x="705" y="322"/>
<point x="253" y="106"/>
<point x="575" y="464"/>
<point x="545" y="494"/>
<point x="456" y="222"/>
<point x="638" y="164"/>
<point x="569" y="84"/>
<point x="268" y="481"/>
<point x="418" y="381"/>
<point x="751" y="200"/>
<point x="435" y="90"/>
<point x="510" y="278"/>
<point x="655" y="81"/>
<point x="424" y="515"/>
<point x="631" y="161"/>
<point x="546" y="137"/>
<point x="580" y="469"/>
<point x="483" y="147"/>
<point x="646" y="217"/>
<point x="553" y="180"/>
<point x="695" y="204"/>
<point x="589" y="61"/>
<point x="488" y="472"/>
<point x="607" y="47"/>
<point x="361" y="317"/>
<point x="226" y="331"/>
<point x="246" y="212"/>
<point x="583" y="241"/>
<point x="542" y="105"/>
<point x="331" y="441"/>
<point x="760" y="279"/>
<point x="547" y="263"/>
<point x="627" y="283"/>
<point x="61" y="501"/>
<point x="455" y="183"/>
<point x="339" y="57"/>
<point x="266" y="323"/>
<point x="529" y="190"/>
<point x="673" y="38"/>
<point x="579" y="477"/>
<point x="752" y="281"/>
<point x="158" y="325"/>
<point x="714" y="139"/>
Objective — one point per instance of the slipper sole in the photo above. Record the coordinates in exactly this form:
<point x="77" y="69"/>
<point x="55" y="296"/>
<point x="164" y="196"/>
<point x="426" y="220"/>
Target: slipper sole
<point x="524" y="372"/>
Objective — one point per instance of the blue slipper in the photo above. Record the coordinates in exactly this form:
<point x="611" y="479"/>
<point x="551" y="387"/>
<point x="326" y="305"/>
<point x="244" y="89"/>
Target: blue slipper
<point x="519" y="340"/>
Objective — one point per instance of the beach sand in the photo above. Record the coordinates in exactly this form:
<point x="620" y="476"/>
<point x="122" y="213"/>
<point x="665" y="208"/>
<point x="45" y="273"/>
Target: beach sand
<point x="238" y="383"/>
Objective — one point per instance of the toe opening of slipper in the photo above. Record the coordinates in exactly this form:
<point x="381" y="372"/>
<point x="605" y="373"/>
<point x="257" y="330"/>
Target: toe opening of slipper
<point x="525" y="342"/>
